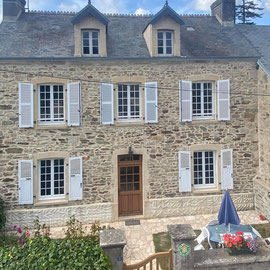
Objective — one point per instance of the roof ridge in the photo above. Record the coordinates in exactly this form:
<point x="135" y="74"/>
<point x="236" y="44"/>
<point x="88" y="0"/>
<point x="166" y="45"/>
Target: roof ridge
<point x="52" y="12"/>
<point x="127" y="15"/>
<point x="111" y="14"/>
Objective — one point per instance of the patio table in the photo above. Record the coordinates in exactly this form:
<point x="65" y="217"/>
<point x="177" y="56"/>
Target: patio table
<point x="216" y="231"/>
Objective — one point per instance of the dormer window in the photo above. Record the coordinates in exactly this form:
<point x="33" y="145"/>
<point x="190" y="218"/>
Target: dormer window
<point x="90" y="42"/>
<point x="165" y="42"/>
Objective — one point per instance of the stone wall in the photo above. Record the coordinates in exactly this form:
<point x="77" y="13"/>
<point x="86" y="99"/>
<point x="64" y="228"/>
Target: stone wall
<point x="262" y="180"/>
<point x="262" y="197"/>
<point x="161" y="141"/>
<point x="264" y="126"/>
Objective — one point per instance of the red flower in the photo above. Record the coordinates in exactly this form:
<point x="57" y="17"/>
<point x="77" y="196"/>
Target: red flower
<point x="239" y="233"/>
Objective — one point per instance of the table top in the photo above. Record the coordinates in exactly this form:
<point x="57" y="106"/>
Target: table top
<point x="216" y="231"/>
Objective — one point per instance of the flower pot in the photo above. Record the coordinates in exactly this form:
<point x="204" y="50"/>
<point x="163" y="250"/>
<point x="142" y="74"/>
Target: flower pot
<point x="239" y="252"/>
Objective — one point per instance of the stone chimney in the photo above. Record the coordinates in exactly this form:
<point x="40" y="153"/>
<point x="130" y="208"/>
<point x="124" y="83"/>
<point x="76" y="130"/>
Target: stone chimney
<point x="224" y="11"/>
<point x="12" y="9"/>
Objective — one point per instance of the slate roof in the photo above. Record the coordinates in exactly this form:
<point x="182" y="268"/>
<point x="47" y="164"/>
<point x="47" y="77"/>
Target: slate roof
<point x="50" y="35"/>
<point x="259" y="36"/>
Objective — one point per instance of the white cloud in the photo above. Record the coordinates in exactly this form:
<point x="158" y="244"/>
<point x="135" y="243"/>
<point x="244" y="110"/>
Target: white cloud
<point x="141" y="11"/>
<point x="267" y="5"/>
<point x="110" y="6"/>
<point x="75" y="5"/>
<point x="202" y="5"/>
<point x="38" y="5"/>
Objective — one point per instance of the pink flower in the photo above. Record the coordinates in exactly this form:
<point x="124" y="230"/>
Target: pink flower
<point x="14" y="226"/>
<point x="23" y="242"/>
<point x="19" y="230"/>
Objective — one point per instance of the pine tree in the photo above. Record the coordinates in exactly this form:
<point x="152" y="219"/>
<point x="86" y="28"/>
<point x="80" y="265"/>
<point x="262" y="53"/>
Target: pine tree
<point x="246" y="12"/>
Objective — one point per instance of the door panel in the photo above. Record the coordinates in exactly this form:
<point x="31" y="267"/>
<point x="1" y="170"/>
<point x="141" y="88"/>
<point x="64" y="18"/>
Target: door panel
<point x="130" y="185"/>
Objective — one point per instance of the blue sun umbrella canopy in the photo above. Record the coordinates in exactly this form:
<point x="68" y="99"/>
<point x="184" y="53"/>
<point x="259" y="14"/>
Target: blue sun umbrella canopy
<point x="227" y="212"/>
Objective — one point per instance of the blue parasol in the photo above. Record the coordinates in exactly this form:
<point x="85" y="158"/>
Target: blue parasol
<point x="227" y="212"/>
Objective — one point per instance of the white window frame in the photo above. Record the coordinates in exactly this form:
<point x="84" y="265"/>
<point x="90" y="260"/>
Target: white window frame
<point x="90" y="31"/>
<point x="52" y="121"/>
<point x="164" y="42"/>
<point x="202" y="116"/>
<point x="203" y="185"/>
<point x="129" y="118"/>
<point x="51" y="197"/>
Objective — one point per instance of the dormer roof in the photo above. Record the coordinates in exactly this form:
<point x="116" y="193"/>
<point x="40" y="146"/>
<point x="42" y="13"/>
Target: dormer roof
<point x="165" y="11"/>
<point x="90" y="10"/>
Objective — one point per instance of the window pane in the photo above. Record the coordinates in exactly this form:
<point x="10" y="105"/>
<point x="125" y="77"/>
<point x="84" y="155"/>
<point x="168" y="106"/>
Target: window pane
<point x="95" y="50"/>
<point x="44" y="103"/>
<point x="160" y="35"/>
<point x="85" y="35"/>
<point x="95" y="34"/>
<point x="86" y="50"/>
<point x="58" y="102"/>
<point x="168" y="35"/>
<point x="160" y="50"/>
<point x="45" y="177"/>
<point x="169" y="50"/>
<point x="58" y="176"/>
<point x="122" y="101"/>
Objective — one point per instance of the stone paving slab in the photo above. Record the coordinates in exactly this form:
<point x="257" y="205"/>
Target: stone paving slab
<point x="139" y="237"/>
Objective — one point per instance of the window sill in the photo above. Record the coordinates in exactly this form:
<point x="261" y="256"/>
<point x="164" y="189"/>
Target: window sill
<point x="55" y="126"/>
<point x="127" y="123"/>
<point x="205" y="190"/>
<point x="204" y="121"/>
<point x="51" y="202"/>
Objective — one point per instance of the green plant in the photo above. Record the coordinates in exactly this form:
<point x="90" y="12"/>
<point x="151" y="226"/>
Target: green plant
<point x="2" y="215"/>
<point x="76" y="251"/>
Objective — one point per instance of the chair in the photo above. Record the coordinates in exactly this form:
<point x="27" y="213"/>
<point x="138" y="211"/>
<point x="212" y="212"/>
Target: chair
<point x="203" y="235"/>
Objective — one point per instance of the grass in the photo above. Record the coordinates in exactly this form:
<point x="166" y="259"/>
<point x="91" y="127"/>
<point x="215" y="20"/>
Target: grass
<point x="162" y="241"/>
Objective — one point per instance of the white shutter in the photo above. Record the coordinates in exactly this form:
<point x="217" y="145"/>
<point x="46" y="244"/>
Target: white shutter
<point x="74" y="103"/>
<point x="226" y="169"/>
<point x="25" y="168"/>
<point x="26" y="108"/>
<point x="223" y="89"/>
<point x="75" y="178"/>
<point x="151" y="102"/>
<point x="185" y="102"/>
<point x="184" y="171"/>
<point x="106" y="104"/>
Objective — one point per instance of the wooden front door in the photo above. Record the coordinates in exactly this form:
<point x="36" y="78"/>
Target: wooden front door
<point x="130" y="185"/>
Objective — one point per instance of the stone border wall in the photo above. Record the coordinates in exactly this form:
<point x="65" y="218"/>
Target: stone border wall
<point x="58" y="216"/>
<point x="183" y="206"/>
<point x="262" y="198"/>
<point x="195" y="205"/>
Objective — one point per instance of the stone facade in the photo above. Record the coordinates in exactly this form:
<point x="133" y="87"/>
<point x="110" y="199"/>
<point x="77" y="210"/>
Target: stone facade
<point x="262" y="181"/>
<point x="159" y="143"/>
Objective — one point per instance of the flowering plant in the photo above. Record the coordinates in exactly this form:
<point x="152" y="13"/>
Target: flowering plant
<point x="239" y="242"/>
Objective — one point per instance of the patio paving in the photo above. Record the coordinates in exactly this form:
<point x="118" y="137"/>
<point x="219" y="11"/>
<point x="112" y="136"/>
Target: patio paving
<point x="139" y="237"/>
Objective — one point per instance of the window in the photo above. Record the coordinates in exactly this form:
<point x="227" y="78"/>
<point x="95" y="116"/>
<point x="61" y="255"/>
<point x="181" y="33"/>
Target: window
<point x="90" y="42"/>
<point x="52" y="178"/>
<point x="165" y="42"/>
<point x="51" y="104"/>
<point x="204" y="169"/>
<point x="202" y="100"/>
<point x="128" y="102"/>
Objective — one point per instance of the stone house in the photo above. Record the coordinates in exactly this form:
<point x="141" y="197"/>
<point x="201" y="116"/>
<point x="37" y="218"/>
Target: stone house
<point x="256" y="34"/>
<point x="112" y="117"/>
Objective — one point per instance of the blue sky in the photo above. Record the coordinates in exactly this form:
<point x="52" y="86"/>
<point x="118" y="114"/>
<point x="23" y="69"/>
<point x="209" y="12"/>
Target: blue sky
<point x="139" y="6"/>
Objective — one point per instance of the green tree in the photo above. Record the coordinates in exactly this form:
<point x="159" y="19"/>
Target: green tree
<point x="247" y="11"/>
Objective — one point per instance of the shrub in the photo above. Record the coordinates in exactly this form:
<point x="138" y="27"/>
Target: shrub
<point x="42" y="252"/>
<point x="2" y="215"/>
